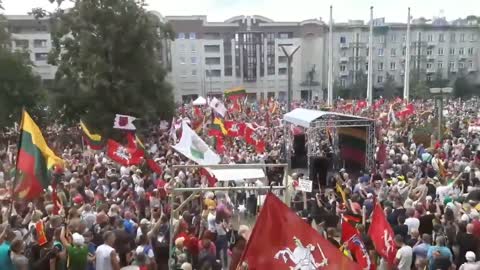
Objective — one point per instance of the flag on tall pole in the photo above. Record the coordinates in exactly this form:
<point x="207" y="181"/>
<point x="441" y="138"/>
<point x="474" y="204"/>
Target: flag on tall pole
<point x="124" y="122"/>
<point x="382" y="235"/>
<point x="35" y="160"/>
<point x="281" y="240"/>
<point x="194" y="148"/>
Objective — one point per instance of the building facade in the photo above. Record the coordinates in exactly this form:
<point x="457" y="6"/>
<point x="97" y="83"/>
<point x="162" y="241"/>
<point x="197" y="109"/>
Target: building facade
<point x="208" y="57"/>
<point x="33" y="36"/>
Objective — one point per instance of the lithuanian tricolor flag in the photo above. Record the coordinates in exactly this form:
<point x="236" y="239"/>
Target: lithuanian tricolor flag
<point x="34" y="161"/>
<point x="218" y="128"/>
<point x="353" y="143"/>
<point x="94" y="141"/>
<point x="235" y="92"/>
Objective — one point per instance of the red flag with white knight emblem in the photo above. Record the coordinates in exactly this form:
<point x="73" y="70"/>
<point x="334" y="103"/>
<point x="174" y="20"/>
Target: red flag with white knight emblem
<point x="281" y="240"/>
<point x="234" y="129"/>
<point x="382" y="235"/>
<point x="352" y="240"/>
<point x="123" y="155"/>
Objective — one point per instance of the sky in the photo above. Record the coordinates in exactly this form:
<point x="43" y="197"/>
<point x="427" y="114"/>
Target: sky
<point x="288" y="10"/>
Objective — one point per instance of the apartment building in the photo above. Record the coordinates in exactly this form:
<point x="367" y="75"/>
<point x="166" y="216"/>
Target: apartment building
<point x="33" y="36"/>
<point x="437" y="48"/>
<point x="209" y="57"/>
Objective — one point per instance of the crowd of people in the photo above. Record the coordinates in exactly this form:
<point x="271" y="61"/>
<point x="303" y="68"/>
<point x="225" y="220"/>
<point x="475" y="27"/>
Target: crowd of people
<point x="109" y="216"/>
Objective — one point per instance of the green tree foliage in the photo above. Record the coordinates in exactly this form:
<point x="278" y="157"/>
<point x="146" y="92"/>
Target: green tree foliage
<point x="463" y="87"/>
<point x="419" y="90"/>
<point x="19" y="86"/>
<point x="389" y="87"/>
<point x="359" y="88"/>
<point x="108" y="58"/>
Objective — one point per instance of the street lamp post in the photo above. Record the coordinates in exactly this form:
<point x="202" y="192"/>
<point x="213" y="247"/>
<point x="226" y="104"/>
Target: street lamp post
<point x="439" y="94"/>
<point x="289" y="56"/>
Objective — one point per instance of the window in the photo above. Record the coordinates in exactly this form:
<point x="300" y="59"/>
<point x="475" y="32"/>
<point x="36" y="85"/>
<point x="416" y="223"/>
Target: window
<point x="473" y="37"/>
<point x="429" y="77"/>
<point x="212" y="60"/>
<point x="380" y="52"/>
<point x="393" y="38"/>
<point x="181" y="35"/>
<point x="393" y="52"/>
<point x="470" y="64"/>
<point x="21" y="43"/>
<point x="192" y="35"/>
<point x="381" y="39"/>
<point x="182" y="60"/>
<point x="441" y="38"/>
<point x="470" y="51"/>
<point x="213" y="73"/>
<point x="380" y="79"/>
<point x="282" y="71"/>
<point x="462" y="37"/>
<point x="440" y="65"/>
<point x="40" y="43"/>
<point x="461" y="51"/>
<point x="41" y="56"/>
<point x="380" y="66"/>
<point x="440" y="51"/>
<point x="366" y="67"/>
<point x="430" y="38"/>
<point x="282" y="59"/>
<point x="452" y="37"/>
<point x="285" y="35"/>
<point x="343" y="68"/>
<point x="452" y="51"/>
<point x="193" y="60"/>
<point x="451" y="65"/>
<point x="393" y="66"/>
<point x="194" y="72"/>
<point x="429" y="65"/>
<point x="343" y="40"/>
<point x="212" y="48"/>
<point x="194" y="49"/>
<point x="461" y="65"/>
<point x="343" y="83"/>
<point x="429" y="51"/>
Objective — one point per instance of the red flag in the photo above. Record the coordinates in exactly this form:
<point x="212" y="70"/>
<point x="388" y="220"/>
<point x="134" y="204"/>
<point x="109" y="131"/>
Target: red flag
<point x="198" y="111"/>
<point x="260" y="146"/>
<point x="131" y="143"/>
<point x="123" y="155"/>
<point x="219" y="145"/>
<point x="351" y="238"/>
<point x="154" y="166"/>
<point x="360" y="105"/>
<point x="234" y="129"/>
<point x="210" y="178"/>
<point x="281" y="240"/>
<point x="382" y="235"/>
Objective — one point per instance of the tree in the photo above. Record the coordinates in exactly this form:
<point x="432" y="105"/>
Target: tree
<point x="389" y="87"/>
<point x="462" y="87"/>
<point x="19" y="86"/>
<point x="419" y="90"/>
<point x="359" y="87"/>
<point x="107" y="54"/>
<point x="438" y="81"/>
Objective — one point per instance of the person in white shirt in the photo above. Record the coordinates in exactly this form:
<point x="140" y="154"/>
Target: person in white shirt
<point x="471" y="264"/>
<point x="404" y="256"/>
<point x="106" y="257"/>
<point x="412" y="222"/>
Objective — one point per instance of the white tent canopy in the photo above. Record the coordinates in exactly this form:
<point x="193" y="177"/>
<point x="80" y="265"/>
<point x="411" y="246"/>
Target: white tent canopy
<point x="200" y="101"/>
<point x="237" y="174"/>
<point x="304" y="117"/>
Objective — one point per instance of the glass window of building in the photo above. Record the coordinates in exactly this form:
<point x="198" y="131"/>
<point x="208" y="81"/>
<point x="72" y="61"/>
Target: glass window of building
<point x="192" y="35"/>
<point x="440" y="51"/>
<point x="393" y="52"/>
<point x="380" y="66"/>
<point x="393" y="66"/>
<point x="452" y="51"/>
<point x="380" y="79"/>
<point x="181" y="35"/>
<point x="441" y="38"/>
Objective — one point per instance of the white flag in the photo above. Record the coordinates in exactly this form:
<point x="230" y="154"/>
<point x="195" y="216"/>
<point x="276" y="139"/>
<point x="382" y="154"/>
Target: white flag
<point x="194" y="148"/>
<point x="124" y="122"/>
<point x="218" y="106"/>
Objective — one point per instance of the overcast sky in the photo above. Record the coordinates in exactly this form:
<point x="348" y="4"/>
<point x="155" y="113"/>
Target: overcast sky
<point x="292" y="10"/>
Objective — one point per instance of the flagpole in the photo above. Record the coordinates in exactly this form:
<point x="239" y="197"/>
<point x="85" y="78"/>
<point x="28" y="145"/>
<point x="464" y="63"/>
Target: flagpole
<point x="330" y="61"/>
<point x="406" y="84"/>
<point x="370" y="61"/>
<point x="15" y="177"/>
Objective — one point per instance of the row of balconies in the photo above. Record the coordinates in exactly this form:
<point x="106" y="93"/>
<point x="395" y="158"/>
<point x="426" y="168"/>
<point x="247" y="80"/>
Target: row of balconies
<point x="404" y="44"/>
<point x="346" y="73"/>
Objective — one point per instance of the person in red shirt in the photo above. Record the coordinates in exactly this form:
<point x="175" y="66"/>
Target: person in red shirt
<point x="476" y="225"/>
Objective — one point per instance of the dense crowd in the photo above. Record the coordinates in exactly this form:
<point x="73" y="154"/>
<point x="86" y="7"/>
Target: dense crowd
<point x="110" y="216"/>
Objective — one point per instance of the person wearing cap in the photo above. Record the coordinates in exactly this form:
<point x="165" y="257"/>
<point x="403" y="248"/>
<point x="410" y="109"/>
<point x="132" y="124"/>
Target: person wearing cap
<point x="77" y="250"/>
<point x="470" y="263"/>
